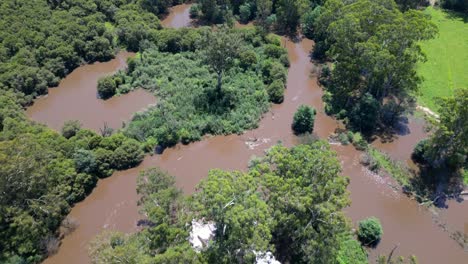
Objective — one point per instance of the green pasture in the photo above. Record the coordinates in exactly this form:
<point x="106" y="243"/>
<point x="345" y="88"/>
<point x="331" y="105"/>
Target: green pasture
<point x="446" y="67"/>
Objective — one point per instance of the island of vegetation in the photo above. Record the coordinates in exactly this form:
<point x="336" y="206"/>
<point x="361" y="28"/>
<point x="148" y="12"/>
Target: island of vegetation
<point x="207" y="82"/>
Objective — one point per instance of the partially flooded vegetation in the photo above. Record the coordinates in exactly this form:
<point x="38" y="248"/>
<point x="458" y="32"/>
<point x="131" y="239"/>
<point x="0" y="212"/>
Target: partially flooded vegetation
<point x="236" y="115"/>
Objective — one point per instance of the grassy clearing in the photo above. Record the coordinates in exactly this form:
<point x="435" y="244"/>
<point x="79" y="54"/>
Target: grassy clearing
<point x="447" y="58"/>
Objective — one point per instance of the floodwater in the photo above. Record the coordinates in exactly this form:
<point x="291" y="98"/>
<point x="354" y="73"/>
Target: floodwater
<point x="76" y="99"/>
<point x="112" y="204"/>
<point x="178" y="17"/>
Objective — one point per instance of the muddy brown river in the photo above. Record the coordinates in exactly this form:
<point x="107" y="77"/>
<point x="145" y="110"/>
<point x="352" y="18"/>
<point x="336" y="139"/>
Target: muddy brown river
<point x="112" y="204"/>
<point x="76" y="99"/>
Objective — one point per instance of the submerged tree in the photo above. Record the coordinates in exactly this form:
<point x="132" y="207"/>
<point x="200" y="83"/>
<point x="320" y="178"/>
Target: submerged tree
<point x="220" y="48"/>
<point x="303" y="121"/>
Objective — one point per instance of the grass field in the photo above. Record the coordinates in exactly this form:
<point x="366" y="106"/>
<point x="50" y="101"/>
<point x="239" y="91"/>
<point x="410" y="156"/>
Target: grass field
<point x="447" y="57"/>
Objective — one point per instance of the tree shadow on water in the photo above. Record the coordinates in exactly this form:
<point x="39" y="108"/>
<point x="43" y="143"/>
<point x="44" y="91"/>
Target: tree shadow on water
<point x="439" y="185"/>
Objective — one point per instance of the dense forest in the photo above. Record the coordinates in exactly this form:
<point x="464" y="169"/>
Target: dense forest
<point x="42" y="41"/>
<point x="289" y="202"/>
<point x="44" y="173"/>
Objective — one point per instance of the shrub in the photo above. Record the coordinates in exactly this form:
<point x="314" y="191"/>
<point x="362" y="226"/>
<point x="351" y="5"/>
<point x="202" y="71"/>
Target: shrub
<point x="419" y="151"/>
<point x="195" y="11"/>
<point x="285" y="60"/>
<point x="343" y="138"/>
<point x="85" y="161"/>
<point x="70" y="128"/>
<point x="370" y="231"/>
<point x="276" y="71"/>
<point x="274" y="51"/>
<point x="106" y="87"/>
<point x="304" y="120"/>
<point x="128" y="155"/>
<point x="273" y="39"/>
<point x="369" y="161"/>
<point x="359" y="142"/>
<point x="104" y="162"/>
<point x="276" y="91"/>
<point x="351" y="252"/>
<point x="247" y="59"/>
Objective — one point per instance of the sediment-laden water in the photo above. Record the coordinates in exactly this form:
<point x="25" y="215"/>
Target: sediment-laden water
<point x="112" y="204"/>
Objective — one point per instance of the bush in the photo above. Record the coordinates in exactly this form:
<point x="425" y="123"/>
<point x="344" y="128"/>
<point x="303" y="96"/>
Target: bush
<point x="351" y="252"/>
<point x="274" y="51"/>
<point x="128" y="155"/>
<point x="304" y="120"/>
<point x="195" y="11"/>
<point x="343" y="138"/>
<point x="273" y="71"/>
<point x="276" y="92"/>
<point x="70" y="128"/>
<point x="104" y="162"/>
<point x="370" y="231"/>
<point x="106" y="87"/>
<point x="85" y="161"/>
<point x="419" y="151"/>
<point x="359" y="142"/>
<point x="247" y="59"/>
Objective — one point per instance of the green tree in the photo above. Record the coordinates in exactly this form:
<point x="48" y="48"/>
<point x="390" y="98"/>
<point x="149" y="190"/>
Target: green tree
<point x="220" y="49"/>
<point x="309" y="222"/>
<point x="106" y="87"/>
<point x="85" y="161"/>
<point x="250" y="213"/>
<point x="449" y="143"/>
<point x="289" y="13"/>
<point x="309" y="21"/>
<point x="303" y="121"/>
<point x="276" y="91"/>
<point x="215" y="11"/>
<point x="377" y="59"/>
<point x="245" y="12"/>
<point x="70" y="128"/>
<point x="129" y="154"/>
<point x="264" y="8"/>
<point x="370" y="231"/>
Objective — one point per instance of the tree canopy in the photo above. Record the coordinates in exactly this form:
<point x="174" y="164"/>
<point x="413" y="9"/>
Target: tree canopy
<point x="289" y="202"/>
<point x="448" y="145"/>
<point x="42" y="41"/>
<point x="374" y="49"/>
<point x="217" y="82"/>
<point x="42" y="174"/>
